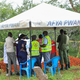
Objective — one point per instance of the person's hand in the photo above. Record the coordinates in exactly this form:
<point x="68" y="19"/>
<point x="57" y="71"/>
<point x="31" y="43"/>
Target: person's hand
<point x="14" y="44"/>
<point x="22" y="49"/>
<point x="23" y="45"/>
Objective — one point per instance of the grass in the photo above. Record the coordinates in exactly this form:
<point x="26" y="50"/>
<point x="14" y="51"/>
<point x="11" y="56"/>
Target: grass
<point x="71" y="74"/>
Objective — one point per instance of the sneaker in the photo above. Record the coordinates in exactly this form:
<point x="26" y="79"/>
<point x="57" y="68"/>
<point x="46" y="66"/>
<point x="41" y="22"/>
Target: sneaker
<point x="7" y="74"/>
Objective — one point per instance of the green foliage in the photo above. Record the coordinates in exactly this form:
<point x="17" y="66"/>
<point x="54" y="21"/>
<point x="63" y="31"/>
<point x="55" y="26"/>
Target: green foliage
<point x="1" y="49"/>
<point x="27" y="4"/>
<point x="6" y="11"/>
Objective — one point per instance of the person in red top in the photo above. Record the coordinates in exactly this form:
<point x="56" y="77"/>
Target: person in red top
<point x="53" y="52"/>
<point x="40" y="42"/>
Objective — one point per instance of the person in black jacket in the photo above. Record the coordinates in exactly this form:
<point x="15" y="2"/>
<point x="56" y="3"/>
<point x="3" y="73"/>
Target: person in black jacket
<point x="22" y="55"/>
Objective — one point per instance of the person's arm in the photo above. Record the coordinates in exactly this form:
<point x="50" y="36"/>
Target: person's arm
<point x="14" y="43"/>
<point x="58" y="39"/>
<point x="45" y="43"/>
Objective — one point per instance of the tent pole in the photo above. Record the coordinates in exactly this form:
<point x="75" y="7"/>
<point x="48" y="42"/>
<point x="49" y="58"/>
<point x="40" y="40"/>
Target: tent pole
<point x="30" y="45"/>
<point x="55" y="35"/>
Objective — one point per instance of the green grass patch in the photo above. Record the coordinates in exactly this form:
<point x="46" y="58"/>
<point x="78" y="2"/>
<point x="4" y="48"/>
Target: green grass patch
<point x="70" y="74"/>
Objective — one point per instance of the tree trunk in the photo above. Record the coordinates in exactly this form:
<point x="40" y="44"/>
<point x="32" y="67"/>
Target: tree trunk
<point x="40" y="74"/>
<point x="73" y="6"/>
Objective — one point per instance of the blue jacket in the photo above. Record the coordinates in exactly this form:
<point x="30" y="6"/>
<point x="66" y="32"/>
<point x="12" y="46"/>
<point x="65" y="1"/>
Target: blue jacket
<point x="22" y="55"/>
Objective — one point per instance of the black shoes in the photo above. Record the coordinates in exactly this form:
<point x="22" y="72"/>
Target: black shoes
<point x="66" y="67"/>
<point x="10" y="73"/>
<point x="17" y="73"/>
<point x="62" y="68"/>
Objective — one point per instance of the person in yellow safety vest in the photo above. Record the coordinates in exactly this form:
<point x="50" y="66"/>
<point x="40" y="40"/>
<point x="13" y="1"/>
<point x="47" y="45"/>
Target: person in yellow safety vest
<point x="46" y="47"/>
<point x="35" y="50"/>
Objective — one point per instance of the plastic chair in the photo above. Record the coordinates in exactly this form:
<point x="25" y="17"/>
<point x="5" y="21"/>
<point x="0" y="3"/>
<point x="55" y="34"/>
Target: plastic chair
<point x="54" y="61"/>
<point x="28" y="69"/>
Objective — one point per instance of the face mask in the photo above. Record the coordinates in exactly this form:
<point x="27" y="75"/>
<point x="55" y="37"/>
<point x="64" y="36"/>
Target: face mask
<point x="42" y="35"/>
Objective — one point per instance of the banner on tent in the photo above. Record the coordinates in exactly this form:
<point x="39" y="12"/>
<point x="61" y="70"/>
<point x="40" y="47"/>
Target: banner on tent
<point x="14" y="25"/>
<point x="54" y="23"/>
<point x="64" y="23"/>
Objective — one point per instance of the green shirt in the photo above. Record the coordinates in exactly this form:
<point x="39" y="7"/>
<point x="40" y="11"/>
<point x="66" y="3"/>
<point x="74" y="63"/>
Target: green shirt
<point x="67" y="41"/>
<point x="62" y="41"/>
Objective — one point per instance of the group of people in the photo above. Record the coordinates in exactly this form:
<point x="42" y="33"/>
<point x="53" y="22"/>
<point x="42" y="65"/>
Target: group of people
<point x="44" y="46"/>
<point x="39" y="47"/>
<point x="63" y="47"/>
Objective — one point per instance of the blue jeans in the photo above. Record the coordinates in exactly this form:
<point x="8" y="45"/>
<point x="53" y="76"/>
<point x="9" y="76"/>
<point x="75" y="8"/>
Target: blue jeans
<point x="41" y="54"/>
<point x="38" y="60"/>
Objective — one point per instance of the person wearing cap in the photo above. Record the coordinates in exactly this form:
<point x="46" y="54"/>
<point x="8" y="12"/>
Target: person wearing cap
<point x="17" y="40"/>
<point x="10" y="43"/>
<point x="22" y="55"/>
<point x="67" y="43"/>
<point x="62" y="49"/>
<point x="35" y="50"/>
<point x="40" y="42"/>
<point x="46" y="46"/>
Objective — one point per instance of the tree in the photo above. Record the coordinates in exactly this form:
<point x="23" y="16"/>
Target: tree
<point x="6" y="11"/>
<point x="26" y="5"/>
<point x="72" y="5"/>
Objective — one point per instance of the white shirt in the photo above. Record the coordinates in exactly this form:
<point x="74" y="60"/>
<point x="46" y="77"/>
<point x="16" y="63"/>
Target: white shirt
<point x="5" y="55"/>
<point x="9" y="44"/>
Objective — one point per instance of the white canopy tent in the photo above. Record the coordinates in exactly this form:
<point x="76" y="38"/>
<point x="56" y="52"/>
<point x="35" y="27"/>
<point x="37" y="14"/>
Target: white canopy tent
<point x="43" y="16"/>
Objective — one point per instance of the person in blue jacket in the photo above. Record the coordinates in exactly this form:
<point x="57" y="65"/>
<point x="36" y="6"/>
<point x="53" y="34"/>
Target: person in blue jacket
<point x="22" y="55"/>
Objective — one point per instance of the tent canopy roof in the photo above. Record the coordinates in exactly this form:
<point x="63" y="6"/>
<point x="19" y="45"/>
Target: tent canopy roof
<point x="43" y="16"/>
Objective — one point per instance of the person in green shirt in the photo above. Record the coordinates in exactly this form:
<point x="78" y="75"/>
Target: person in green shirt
<point x="67" y="43"/>
<point x="62" y="49"/>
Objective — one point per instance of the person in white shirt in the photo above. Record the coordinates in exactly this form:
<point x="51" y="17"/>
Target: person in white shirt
<point x="10" y="43"/>
<point x="5" y="58"/>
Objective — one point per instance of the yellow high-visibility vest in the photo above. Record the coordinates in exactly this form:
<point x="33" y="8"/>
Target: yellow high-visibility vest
<point x="35" y="48"/>
<point x="48" y="46"/>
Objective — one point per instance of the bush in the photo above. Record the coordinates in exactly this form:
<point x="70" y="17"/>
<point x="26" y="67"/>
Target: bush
<point x="73" y="49"/>
<point x="1" y="49"/>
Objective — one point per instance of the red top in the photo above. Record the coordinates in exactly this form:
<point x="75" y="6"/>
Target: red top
<point x="40" y="42"/>
<point x="53" y="47"/>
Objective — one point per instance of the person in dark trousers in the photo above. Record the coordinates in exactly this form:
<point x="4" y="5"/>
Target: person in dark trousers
<point x="62" y="49"/>
<point x="35" y="50"/>
<point x="40" y="42"/>
<point x="46" y="46"/>
<point x="10" y="43"/>
<point x="22" y="55"/>
<point x="67" y="43"/>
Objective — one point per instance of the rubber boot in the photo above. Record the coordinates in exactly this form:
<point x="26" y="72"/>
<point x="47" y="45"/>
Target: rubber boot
<point x="62" y="67"/>
<point x="66" y="67"/>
